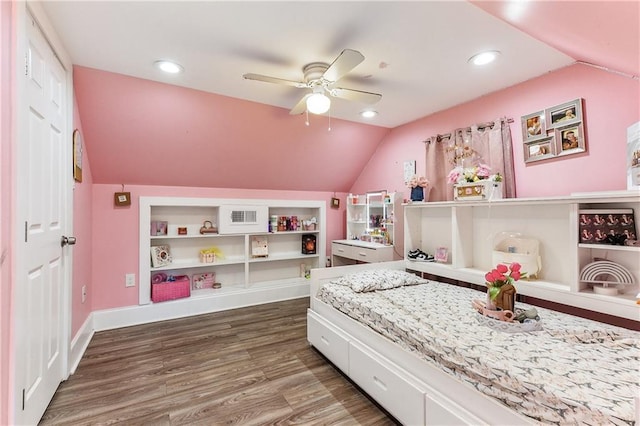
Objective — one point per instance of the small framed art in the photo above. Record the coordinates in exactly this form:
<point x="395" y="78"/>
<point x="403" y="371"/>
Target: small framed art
<point x="122" y="199"/>
<point x="570" y="139"/>
<point x="159" y="227"/>
<point x="409" y="170"/>
<point x="442" y="255"/>
<point x="563" y="114"/>
<point x="335" y="203"/>
<point x="542" y="149"/>
<point x="77" y="155"/>
<point x="533" y="126"/>
<point x="160" y="256"/>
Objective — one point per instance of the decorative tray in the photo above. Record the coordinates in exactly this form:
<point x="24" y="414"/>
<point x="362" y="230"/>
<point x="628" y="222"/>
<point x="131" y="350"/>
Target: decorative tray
<point x="505" y="320"/>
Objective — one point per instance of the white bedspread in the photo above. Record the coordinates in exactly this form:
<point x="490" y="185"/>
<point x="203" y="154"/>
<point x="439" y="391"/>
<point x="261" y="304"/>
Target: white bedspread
<point x="574" y="371"/>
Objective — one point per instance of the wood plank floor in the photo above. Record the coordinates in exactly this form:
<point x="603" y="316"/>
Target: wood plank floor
<point x="249" y="366"/>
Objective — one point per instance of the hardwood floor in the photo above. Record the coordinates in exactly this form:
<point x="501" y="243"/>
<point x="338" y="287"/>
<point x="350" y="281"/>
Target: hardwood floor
<point x="249" y="366"/>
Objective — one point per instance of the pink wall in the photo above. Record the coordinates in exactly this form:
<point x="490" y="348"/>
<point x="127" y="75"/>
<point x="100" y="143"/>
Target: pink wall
<point x="611" y="104"/>
<point x="142" y="132"/>
<point x="82" y="212"/>
<point x="115" y="232"/>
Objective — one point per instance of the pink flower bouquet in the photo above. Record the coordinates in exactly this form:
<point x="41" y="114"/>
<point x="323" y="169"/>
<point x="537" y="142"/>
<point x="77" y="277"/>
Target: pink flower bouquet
<point x="502" y="275"/>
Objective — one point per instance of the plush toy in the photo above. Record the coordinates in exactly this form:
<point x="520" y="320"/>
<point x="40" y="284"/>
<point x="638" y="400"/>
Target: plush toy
<point x="417" y="185"/>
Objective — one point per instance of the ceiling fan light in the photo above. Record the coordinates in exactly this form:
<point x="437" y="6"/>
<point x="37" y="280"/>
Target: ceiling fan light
<point x="368" y="113"/>
<point x="318" y="103"/>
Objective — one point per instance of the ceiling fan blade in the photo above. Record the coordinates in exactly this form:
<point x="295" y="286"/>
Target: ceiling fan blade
<point x="355" y="95"/>
<point x="301" y="106"/>
<point x="275" y="80"/>
<point x="345" y="62"/>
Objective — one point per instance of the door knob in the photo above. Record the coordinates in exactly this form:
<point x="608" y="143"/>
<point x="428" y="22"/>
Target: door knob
<point x="67" y="241"/>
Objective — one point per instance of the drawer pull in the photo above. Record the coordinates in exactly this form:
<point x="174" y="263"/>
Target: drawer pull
<point x="325" y="341"/>
<point x="363" y="254"/>
<point x="380" y="383"/>
<point x="341" y="250"/>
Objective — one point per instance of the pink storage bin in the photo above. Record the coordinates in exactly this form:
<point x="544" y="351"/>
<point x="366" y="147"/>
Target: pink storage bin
<point x="170" y="290"/>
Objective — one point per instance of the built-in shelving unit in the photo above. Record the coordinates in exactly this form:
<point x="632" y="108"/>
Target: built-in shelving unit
<point x="372" y="229"/>
<point x="468" y="229"/>
<point x="279" y="275"/>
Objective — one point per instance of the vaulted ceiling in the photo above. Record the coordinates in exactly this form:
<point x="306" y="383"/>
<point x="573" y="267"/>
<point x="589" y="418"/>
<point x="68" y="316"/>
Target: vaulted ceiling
<point x="415" y="55"/>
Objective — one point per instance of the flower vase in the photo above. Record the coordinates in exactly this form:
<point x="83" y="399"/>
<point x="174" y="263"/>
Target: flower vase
<point x="417" y="193"/>
<point x="506" y="298"/>
<point x="490" y="304"/>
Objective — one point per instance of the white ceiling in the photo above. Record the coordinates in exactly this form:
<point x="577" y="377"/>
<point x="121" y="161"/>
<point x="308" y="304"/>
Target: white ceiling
<point x="416" y="52"/>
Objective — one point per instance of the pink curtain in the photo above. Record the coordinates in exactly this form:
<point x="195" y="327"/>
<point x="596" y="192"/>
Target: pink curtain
<point x="489" y="143"/>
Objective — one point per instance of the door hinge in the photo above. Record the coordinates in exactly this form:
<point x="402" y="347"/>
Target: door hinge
<point x="25" y="231"/>
<point x="26" y="65"/>
<point x="23" y="399"/>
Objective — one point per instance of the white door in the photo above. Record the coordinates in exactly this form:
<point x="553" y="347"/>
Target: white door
<point x="40" y="318"/>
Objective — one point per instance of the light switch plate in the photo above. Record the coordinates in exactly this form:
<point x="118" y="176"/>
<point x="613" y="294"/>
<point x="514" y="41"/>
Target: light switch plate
<point x="130" y="280"/>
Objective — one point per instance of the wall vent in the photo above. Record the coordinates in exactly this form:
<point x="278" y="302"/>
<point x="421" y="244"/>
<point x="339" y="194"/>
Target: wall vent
<point x="244" y="216"/>
<point x="243" y="219"/>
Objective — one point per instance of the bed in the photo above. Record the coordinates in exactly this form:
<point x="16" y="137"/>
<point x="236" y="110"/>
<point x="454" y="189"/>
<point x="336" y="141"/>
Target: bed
<point x="419" y="349"/>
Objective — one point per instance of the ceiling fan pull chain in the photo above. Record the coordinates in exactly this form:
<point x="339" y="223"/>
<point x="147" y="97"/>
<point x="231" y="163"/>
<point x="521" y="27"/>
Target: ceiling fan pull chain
<point x="307" y="120"/>
<point x="329" y="129"/>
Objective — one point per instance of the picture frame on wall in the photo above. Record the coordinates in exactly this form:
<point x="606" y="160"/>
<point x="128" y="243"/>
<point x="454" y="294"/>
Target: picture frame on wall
<point x="534" y="126"/>
<point x="633" y="156"/>
<point x="77" y="155"/>
<point x="564" y="114"/>
<point x="554" y="132"/>
<point x="570" y="139"/>
<point x="542" y="149"/>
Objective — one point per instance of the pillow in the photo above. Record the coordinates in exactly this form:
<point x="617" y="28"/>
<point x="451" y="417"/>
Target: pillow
<point x="378" y="279"/>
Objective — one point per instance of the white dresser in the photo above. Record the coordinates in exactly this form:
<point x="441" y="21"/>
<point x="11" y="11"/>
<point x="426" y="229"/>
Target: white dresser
<point x="350" y="252"/>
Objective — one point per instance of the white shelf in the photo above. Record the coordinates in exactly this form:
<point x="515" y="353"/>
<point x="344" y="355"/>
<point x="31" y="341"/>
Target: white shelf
<point x="282" y="256"/>
<point x="610" y="247"/>
<point x="260" y="279"/>
<point x="185" y="237"/>
<point x="311" y="231"/>
<point x="467" y="229"/>
<point x="195" y="263"/>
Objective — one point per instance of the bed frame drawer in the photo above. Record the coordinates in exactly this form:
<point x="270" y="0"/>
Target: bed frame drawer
<point x="438" y="413"/>
<point x="391" y="386"/>
<point x="328" y="340"/>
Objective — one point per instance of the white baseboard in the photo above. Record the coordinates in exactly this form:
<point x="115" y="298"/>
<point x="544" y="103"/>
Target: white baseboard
<point x="80" y="343"/>
<point x="108" y="319"/>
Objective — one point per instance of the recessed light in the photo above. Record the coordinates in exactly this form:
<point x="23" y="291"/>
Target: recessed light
<point x="169" y="67"/>
<point x="369" y="113"/>
<point x="484" y="57"/>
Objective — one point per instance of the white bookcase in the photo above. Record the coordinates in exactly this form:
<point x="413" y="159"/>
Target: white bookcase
<point x="374" y="225"/>
<point x="467" y="229"/>
<point x="280" y="275"/>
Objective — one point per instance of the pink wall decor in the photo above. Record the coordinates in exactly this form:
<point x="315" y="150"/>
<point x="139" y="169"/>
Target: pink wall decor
<point x="611" y="104"/>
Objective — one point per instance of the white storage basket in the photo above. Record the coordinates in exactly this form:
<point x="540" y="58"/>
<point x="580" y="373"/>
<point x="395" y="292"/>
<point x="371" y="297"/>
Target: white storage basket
<point x="511" y="247"/>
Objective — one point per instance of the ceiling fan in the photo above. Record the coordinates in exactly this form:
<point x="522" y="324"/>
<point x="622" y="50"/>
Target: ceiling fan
<point x="321" y="79"/>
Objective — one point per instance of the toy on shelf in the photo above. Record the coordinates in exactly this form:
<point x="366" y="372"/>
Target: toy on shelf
<point x="605" y="273"/>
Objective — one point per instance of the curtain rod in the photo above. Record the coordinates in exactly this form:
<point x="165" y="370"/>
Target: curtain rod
<point x="479" y="126"/>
